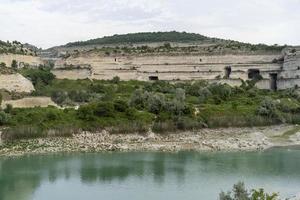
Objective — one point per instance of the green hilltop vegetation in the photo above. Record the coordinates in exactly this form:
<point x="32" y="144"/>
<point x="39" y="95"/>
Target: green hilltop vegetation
<point x="147" y="37"/>
<point x="16" y="47"/>
<point x="135" y="107"/>
<point x="123" y="44"/>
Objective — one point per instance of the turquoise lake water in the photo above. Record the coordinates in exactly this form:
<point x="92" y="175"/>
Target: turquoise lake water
<point x="155" y="176"/>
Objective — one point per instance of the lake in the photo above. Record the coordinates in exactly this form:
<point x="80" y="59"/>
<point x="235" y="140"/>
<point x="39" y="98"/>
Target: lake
<point x="136" y="176"/>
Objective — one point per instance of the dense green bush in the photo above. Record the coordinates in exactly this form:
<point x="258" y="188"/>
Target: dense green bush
<point x="267" y="108"/>
<point x="156" y="103"/>
<point x="40" y="76"/>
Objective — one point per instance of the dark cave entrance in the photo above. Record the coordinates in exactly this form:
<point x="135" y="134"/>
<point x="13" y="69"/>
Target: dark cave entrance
<point x="227" y="72"/>
<point x="153" y="78"/>
<point x="253" y="73"/>
<point x="273" y="82"/>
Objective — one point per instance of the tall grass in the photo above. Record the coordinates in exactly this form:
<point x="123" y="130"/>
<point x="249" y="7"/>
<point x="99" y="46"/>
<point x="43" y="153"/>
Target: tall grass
<point x="240" y="121"/>
<point x="22" y="132"/>
<point x="31" y="132"/>
<point x="129" y="127"/>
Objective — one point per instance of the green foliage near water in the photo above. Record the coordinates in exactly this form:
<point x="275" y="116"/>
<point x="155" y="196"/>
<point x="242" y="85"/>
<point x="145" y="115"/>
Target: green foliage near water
<point x="239" y="192"/>
<point x="135" y="106"/>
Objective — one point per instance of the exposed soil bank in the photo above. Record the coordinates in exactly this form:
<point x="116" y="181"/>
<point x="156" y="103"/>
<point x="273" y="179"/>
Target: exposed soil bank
<point x="224" y="139"/>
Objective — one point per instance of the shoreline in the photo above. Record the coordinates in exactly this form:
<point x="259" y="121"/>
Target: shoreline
<point x="204" y="140"/>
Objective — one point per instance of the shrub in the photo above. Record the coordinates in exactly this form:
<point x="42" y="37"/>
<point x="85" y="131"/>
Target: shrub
<point x="120" y="105"/>
<point x="159" y="86"/>
<point x="288" y="105"/>
<point x="79" y="96"/>
<point x="14" y="64"/>
<point x="139" y="99"/>
<point x="239" y="192"/>
<point x="180" y="94"/>
<point x="156" y="103"/>
<point x="86" y="112"/>
<point x="194" y="88"/>
<point x="4" y="118"/>
<point x="204" y="94"/>
<point x="267" y="108"/>
<point x="223" y="91"/>
<point x="115" y="80"/>
<point x="136" y="99"/>
<point x="103" y="109"/>
<point x="98" y="88"/>
<point x="39" y="76"/>
<point x="175" y="107"/>
<point x="59" y="97"/>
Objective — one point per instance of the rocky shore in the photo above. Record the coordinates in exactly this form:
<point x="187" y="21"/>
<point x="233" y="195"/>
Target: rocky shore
<point x="223" y="139"/>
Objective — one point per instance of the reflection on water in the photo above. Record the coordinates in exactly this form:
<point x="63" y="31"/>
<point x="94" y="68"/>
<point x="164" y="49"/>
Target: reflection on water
<point x="146" y="175"/>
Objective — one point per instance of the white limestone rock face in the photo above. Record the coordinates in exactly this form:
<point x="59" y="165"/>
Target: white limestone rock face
<point x="21" y="59"/>
<point x="15" y="83"/>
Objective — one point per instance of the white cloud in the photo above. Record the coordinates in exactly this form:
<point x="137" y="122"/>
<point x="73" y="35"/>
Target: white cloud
<point x="53" y="22"/>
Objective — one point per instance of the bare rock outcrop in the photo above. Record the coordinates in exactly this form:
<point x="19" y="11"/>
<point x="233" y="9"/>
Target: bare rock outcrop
<point x="30" y="102"/>
<point x="15" y="83"/>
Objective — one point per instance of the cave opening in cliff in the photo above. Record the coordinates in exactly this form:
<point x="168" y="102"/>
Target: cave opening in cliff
<point x="253" y="73"/>
<point x="227" y="72"/>
<point x="273" y="82"/>
<point x="153" y="78"/>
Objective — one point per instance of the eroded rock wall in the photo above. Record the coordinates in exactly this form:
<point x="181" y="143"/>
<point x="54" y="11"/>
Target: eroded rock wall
<point x="15" y="83"/>
<point x="171" y="67"/>
<point x="21" y="59"/>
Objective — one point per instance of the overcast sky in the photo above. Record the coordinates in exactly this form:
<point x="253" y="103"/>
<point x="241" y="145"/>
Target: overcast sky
<point x="47" y="23"/>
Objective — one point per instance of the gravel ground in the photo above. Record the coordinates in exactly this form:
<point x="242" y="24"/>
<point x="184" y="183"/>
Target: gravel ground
<point x="224" y="139"/>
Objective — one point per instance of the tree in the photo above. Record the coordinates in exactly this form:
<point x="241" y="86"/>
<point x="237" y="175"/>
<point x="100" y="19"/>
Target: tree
<point x="41" y="75"/>
<point x="14" y="64"/>
<point x="156" y="103"/>
<point x="180" y="94"/>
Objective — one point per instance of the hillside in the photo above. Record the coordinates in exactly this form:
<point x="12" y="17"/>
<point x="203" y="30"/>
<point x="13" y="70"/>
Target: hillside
<point x="16" y="47"/>
<point x="163" y="43"/>
<point x="147" y="37"/>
